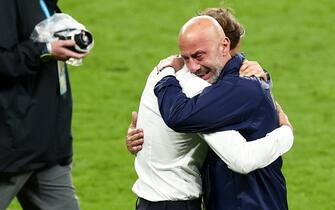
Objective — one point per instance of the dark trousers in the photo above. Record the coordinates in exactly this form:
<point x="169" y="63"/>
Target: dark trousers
<point x="143" y="204"/>
<point x="50" y="188"/>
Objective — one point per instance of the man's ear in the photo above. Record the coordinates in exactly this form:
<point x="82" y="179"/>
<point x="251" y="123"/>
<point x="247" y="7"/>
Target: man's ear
<point x="225" y="43"/>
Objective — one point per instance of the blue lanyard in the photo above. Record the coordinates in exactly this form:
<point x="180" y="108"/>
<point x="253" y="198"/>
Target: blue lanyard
<point x="44" y="8"/>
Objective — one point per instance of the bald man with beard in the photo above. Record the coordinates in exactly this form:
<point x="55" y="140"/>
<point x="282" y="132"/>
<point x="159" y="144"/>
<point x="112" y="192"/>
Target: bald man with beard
<point x="230" y="103"/>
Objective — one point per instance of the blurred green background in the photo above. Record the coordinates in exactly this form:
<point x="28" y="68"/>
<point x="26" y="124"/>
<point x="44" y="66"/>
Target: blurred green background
<point x="293" y="40"/>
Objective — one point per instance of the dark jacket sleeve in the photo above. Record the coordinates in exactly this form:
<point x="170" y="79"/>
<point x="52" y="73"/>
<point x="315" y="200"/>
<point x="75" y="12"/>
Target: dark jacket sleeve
<point x="19" y="56"/>
<point x="223" y="106"/>
<point x="21" y="60"/>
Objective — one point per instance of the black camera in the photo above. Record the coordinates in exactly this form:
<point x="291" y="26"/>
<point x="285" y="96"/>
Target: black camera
<point x="83" y="39"/>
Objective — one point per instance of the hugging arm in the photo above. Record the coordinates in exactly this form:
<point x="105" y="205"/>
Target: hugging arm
<point x="197" y="114"/>
<point x="245" y="156"/>
<point x="242" y="156"/>
<point x="239" y="155"/>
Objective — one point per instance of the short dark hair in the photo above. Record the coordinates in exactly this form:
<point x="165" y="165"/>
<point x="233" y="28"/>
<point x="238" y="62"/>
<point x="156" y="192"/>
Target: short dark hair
<point x="231" y="27"/>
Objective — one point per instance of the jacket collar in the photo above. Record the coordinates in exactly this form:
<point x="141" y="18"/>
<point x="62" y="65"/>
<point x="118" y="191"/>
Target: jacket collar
<point x="232" y="67"/>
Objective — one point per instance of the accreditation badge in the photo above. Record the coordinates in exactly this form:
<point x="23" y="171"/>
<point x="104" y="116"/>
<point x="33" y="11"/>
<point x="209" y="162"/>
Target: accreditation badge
<point x="62" y="77"/>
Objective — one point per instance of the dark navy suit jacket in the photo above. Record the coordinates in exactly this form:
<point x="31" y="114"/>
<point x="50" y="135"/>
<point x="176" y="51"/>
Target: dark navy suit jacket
<point x="232" y="103"/>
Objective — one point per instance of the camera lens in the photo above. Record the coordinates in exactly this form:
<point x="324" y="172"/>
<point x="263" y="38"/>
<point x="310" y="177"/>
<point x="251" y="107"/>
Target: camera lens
<point x="83" y="40"/>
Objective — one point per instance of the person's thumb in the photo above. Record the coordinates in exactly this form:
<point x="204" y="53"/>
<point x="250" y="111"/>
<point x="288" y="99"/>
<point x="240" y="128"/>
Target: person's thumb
<point x="133" y="119"/>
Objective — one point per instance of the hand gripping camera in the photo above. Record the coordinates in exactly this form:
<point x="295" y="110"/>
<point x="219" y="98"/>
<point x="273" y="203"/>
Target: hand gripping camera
<point x="83" y="39"/>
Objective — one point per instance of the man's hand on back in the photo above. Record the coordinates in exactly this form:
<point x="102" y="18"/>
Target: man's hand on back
<point x="252" y="68"/>
<point x="134" y="138"/>
<point x="283" y="119"/>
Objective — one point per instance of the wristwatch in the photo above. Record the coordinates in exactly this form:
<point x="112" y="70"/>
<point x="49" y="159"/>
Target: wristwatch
<point x="46" y="52"/>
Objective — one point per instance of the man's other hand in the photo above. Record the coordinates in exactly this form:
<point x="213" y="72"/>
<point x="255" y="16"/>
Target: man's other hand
<point x="174" y="61"/>
<point x="134" y="139"/>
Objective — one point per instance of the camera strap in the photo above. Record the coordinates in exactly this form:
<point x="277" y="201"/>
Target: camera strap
<point x="44" y="8"/>
<point x="60" y="64"/>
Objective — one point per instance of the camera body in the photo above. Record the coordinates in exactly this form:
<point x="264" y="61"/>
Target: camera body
<point x="83" y="39"/>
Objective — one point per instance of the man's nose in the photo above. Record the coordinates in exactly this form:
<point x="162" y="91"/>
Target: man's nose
<point x="193" y="66"/>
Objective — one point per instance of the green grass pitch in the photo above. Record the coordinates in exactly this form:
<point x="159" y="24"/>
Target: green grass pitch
<point x="293" y="40"/>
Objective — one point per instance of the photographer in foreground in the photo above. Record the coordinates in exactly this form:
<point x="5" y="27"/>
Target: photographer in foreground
<point x="35" y="111"/>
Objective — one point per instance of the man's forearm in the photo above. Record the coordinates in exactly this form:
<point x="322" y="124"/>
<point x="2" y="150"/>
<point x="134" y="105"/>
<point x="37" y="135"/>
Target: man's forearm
<point x="212" y="110"/>
<point x="21" y="60"/>
<point x="242" y="156"/>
